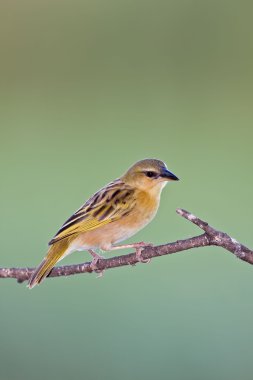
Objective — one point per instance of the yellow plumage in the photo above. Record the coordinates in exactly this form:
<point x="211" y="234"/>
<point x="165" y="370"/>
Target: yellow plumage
<point x="111" y="215"/>
<point x="107" y="205"/>
<point x="54" y="254"/>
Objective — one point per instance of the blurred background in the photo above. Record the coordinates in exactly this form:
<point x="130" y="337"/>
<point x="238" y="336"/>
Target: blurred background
<point x="87" y="88"/>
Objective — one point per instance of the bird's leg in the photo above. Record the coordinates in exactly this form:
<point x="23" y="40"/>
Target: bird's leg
<point x="138" y="249"/>
<point x="93" y="265"/>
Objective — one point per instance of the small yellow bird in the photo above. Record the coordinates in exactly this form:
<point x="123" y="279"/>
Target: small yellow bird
<point x="113" y="214"/>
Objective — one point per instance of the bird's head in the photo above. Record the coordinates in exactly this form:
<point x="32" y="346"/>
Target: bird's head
<point x="149" y="174"/>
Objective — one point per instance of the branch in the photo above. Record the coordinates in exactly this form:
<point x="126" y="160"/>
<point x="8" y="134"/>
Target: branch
<point x="211" y="237"/>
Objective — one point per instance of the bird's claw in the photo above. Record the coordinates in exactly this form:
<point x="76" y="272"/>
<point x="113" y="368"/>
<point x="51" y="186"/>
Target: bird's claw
<point x="93" y="265"/>
<point x="139" y="250"/>
<point x="95" y="260"/>
<point x="94" y="268"/>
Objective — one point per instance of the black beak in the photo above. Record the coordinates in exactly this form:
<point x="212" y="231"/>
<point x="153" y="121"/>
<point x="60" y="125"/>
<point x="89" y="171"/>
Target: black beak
<point x="169" y="176"/>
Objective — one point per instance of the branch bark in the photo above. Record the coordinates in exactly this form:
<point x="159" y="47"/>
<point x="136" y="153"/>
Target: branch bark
<point x="210" y="237"/>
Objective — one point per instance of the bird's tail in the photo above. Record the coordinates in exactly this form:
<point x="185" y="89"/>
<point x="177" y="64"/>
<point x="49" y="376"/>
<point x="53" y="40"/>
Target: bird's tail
<point x="55" y="253"/>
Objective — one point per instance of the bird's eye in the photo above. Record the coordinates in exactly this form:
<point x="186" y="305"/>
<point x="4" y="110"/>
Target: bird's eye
<point x="151" y="174"/>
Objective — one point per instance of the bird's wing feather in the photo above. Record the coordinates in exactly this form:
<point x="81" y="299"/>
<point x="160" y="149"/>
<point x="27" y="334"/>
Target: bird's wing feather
<point x="109" y="204"/>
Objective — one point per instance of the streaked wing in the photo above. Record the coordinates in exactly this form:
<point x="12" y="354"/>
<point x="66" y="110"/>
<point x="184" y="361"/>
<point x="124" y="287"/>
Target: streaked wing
<point x="109" y="204"/>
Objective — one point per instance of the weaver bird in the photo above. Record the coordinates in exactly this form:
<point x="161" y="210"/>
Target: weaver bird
<point x="113" y="214"/>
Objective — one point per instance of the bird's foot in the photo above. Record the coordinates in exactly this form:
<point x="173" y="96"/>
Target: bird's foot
<point x="139" y="248"/>
<point x="95" y="260"/>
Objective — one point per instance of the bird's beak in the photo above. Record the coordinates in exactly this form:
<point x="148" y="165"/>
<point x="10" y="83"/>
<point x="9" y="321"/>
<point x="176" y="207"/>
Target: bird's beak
<point x="167" y="175"/>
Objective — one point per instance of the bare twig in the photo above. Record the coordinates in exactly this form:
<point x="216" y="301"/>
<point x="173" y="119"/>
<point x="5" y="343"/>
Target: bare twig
<point x="210" y="237"/>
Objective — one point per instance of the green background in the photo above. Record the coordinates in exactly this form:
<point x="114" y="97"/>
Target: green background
<point x="88" y="88"/>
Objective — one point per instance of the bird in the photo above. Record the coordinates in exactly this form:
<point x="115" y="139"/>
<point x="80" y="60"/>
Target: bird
<point x="113" y="214"/>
